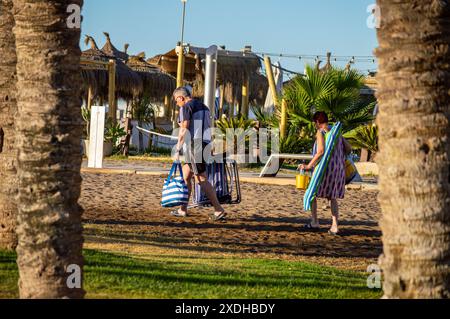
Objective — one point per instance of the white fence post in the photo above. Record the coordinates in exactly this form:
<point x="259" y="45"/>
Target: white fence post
<point x="96" y="133"/>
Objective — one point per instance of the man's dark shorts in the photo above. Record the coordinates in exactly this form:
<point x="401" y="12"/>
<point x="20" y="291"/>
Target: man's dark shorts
<point x="199" y="160"/>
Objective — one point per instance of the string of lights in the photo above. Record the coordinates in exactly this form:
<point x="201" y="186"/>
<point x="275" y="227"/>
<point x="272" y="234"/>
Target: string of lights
<point x="314" y="57"/>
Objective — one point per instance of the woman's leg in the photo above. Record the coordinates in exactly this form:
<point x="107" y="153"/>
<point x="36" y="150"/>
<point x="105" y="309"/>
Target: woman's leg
<point x="335" y="215"/>
<point x="314" y="219"/>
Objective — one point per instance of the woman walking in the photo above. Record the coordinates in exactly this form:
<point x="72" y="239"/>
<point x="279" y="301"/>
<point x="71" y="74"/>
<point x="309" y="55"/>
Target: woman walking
<point x="332" y="186"/>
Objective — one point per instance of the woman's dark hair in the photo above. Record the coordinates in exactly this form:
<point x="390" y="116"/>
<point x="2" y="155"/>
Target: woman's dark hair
<point x="320" y="117"/>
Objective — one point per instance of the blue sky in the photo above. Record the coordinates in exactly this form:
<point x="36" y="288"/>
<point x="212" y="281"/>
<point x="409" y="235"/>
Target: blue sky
<point x="278" y="26"/>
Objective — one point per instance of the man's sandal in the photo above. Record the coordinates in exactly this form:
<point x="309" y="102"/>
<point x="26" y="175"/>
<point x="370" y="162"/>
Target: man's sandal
<point x="177" y="213"/>
<point x="216" y="218"/>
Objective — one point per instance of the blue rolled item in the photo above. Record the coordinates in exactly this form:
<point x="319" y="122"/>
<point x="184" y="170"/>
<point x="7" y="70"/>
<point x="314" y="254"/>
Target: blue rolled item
<point x="319" y="172"/>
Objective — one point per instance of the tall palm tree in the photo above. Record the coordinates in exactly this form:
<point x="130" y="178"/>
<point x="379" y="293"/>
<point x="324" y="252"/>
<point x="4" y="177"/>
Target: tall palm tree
<point x="49" y="130"/>
<point x="414" y="157"/>
<point x="8" y="109"/>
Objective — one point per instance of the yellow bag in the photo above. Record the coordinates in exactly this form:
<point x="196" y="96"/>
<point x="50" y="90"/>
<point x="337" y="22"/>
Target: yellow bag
<point x="350" y="170"/>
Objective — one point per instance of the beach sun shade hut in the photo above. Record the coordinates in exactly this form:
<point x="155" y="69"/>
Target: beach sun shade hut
<point x="112" y="51"/>
<point x="234" y="69"/>
<point x="156" y="84"/>
<point x="128" y="83"/>
<point x="94" y="72"/>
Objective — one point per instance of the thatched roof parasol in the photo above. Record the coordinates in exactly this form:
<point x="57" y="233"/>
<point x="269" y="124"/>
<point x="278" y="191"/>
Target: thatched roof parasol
<point x="233" y="91"/>
<point x="156" y="83"/>
<point x="232" y="68"/>
<point x="93" y="77"/>
<point x="128" y="83"/>
<point x="112" y="51"/>
<point x="231" y="65"/>
<point x="327" y="66"/>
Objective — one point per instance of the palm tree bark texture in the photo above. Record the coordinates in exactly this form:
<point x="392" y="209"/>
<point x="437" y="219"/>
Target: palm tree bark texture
<point x="8" y="109"/>
<point x="414" y="99"/>
<point x="49" y="129"/>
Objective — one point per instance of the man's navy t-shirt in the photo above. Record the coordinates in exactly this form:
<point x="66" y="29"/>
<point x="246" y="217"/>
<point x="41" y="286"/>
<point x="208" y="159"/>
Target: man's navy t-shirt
<point x="199" y="119"/>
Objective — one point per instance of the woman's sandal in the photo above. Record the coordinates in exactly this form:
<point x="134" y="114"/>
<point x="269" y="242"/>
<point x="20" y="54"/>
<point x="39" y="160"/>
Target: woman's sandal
<point x="333" y="233"/>
<point x="310" y="227"/>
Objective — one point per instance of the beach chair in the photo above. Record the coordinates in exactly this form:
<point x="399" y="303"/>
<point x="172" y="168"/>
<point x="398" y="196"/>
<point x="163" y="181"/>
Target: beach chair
<point x="275" y="161"/>
<point x="224" y="177"/>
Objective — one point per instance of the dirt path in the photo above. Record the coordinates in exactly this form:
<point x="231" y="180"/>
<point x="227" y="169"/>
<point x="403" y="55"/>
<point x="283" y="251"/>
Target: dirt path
<point x="123" y="212"/>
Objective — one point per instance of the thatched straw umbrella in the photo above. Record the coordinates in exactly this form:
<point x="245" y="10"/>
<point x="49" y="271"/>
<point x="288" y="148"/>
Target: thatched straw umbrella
<point x="111" y="50"/>
<point x="94" y="78"/>
<point x="328" y="65"/>
<point x="129" y="83"/>
<point x="232" y="69"/>
<point x="156" y="84"/>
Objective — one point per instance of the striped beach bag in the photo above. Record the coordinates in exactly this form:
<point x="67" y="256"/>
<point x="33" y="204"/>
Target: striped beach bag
<point x="175" y="191"/>
<point x="319" y="172"/>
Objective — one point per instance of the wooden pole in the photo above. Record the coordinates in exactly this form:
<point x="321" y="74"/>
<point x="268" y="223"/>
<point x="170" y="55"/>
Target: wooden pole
<point x="222" y="99"/>
<point x="231" y="110"/>
<point x="245" y="96"/>
<point x="112" y="91"/>
<point x="283" y="118"/>
<point x="167" y="107"/>
<point x="180" y="78"/>
<point x="271" y="79"/>
<point x="89" y="100"/>
<point x="180" y="67"/>
<point x="273" y="89"/>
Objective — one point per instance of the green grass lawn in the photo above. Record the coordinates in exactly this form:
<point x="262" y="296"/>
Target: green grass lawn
<point x="168" y="276"/>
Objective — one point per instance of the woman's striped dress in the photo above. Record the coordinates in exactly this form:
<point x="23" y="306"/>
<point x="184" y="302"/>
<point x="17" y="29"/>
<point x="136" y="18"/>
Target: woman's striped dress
<point x="333" y="183"/>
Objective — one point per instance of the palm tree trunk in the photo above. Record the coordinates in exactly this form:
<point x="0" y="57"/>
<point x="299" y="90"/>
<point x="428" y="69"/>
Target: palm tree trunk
<point x="414" y="158"/>
<point x="49" y="129"/>
<point x="8" y="109"/>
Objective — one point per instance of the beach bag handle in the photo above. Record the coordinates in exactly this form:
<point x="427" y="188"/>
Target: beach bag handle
<point x="173" y="171"/>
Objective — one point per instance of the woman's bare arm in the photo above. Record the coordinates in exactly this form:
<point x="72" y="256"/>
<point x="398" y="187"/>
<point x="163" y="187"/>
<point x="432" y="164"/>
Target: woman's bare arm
<point x="320" y="150"/>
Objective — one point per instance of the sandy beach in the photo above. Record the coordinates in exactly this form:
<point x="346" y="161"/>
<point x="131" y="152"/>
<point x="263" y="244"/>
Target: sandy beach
<point x="123" y="213"/>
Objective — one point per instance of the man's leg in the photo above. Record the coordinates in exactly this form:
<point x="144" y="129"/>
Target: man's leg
<point x="187" y="175"/>
<point x="209" y="191"/>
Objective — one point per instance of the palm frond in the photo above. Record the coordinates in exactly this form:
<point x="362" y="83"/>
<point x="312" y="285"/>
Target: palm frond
<point x="364" y="137"/>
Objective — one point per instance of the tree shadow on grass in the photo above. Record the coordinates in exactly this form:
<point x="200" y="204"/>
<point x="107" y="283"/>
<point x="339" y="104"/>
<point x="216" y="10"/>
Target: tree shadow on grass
<point x="228" y="226"/>
<point x="303" y="275"/>
<point x="219" y="245"/>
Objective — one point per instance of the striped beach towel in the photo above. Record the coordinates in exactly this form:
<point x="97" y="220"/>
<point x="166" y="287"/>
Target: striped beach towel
<point x="175" y="191"/>
<point x="319" y="172"/>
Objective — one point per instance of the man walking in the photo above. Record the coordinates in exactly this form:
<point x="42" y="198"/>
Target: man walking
<point x="194" y="137"/>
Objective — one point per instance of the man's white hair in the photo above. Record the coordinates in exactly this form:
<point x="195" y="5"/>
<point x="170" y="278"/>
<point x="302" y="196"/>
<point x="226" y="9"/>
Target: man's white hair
<point x="181" y="91"/>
